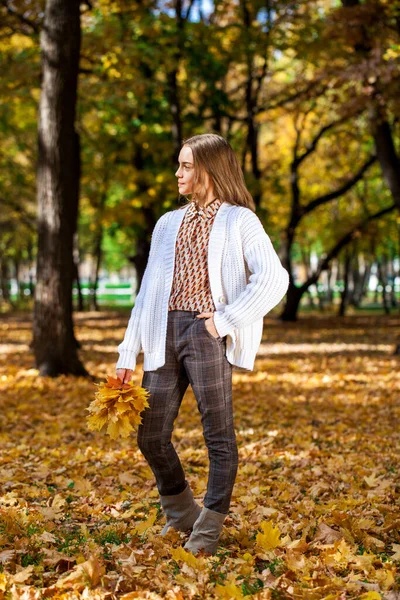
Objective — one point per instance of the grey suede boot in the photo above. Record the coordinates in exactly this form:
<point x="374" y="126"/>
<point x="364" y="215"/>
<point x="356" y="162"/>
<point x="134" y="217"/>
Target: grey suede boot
<point x="181" y="510"/>
<point x="206" y="532"/>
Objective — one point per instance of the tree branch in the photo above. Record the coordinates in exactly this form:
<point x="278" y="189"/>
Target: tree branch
<point x="325" y="198"/>
<point x="346" y="239"/>
<point x="311" y="147"/>
<point x="32" y="24"/>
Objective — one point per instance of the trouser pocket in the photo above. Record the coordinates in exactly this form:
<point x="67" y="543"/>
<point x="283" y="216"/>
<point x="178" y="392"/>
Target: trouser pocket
<point x="216" y="339"/>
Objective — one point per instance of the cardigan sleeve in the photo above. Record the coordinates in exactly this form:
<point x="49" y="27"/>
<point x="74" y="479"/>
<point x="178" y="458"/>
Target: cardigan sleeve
<point x="268" y="282"/>
<point x="129" y="348"/>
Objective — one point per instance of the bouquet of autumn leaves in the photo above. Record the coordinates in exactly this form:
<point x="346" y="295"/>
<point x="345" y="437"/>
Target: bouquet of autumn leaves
<point x="118" y="406"/>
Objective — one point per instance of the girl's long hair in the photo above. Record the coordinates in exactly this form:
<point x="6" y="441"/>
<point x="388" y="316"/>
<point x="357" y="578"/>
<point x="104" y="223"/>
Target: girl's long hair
<point x="213" y="154"/>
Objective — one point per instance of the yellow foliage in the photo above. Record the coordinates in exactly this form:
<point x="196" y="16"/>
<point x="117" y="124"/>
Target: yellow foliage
<point x="66" y="498"/>
<point x="117" y="405"/>
<point x="142" y="526"/>
<point x="269" y="539"/>
<point x="180" y="554"/>
<point x="230" y="590"/>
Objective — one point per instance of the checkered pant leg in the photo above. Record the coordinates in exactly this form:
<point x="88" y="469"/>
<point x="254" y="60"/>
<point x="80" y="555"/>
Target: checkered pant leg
<point x="193" y="356"/>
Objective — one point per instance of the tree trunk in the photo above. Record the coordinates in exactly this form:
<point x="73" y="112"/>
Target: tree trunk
<point x="17" y="269"/>
<point x="54" y="342"/>
<point x="364" y="286"/>
<point x="383" y="281"/>
<point x="332" y="272"/>
<point x="98" y="254"/>
<point x="392" y="272"/>
<point x="293" y="298"/>
<point x="355" y="273"/>
<point x="345" y="293"/>
<point x="77" y="279"/>
<point x="4" y="278"/>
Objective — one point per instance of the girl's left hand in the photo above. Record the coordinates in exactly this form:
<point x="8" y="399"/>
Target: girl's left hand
<point x="209" y="323"/>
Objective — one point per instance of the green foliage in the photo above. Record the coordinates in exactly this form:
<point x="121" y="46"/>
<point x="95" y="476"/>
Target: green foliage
<point x="146" y="72"/>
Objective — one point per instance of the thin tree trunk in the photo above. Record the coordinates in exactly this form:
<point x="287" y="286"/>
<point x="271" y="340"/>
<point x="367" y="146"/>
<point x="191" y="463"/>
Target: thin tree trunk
<point x="4" y="278"/>
<point x="383" y="281"/>
<point x="345" y="292"/>
<point x="17" y="269"/>
<point x="77" y="278"/>
<point x="365" y="282"/>
<point x="354" y="297"/>
<point x="54" y="343"/>
<point x="332" y="272"/>
<point x="392" y="271"/>
<point x="98" y="254"/>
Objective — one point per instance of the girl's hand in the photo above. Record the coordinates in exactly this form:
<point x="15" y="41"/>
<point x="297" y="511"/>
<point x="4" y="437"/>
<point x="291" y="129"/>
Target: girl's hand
<point x="209" y="323"/>
<point x="124" y="375"/>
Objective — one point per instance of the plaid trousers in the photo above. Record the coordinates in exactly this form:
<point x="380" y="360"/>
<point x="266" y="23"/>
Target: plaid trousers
<point x="192" y="355"/>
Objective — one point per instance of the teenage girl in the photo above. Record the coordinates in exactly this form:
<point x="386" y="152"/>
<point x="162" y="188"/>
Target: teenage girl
<point x="211" y="277"/>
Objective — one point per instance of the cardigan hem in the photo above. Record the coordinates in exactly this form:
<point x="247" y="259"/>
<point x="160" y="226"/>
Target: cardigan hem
<point x="243" y="359"/>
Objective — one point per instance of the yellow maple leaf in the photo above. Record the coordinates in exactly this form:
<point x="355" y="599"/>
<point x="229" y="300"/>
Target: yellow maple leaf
<point x="343" y="554"/>
<point x="187" y="557"/>
<point x="230" y="590"/>
<point x="270" y="538"/>
<point x="97" y="421"/>
<point x="385" y="577"/>
<point x="371" y="596"/>
<point x="140" y="402"/>
<point x="141" y="526"/>
<point x="248" y="557"/>
<point x="136" y="419"/>
<point x="121" y="427"/>
<point x="123" y="407"/>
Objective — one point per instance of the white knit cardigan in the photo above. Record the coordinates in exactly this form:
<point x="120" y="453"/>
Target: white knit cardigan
<point x="246" y="278"/>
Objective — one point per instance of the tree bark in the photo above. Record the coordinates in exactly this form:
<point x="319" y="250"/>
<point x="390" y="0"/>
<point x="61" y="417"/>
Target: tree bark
<point x="4" y="279"/>
<point x="98" y="255"/>
<point x="77" y="278"/>
<point x="344" y="296"/>
<point x="54" y="343"/>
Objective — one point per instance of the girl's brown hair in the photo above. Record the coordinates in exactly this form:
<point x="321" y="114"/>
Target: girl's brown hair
<point x="213" y="154"/>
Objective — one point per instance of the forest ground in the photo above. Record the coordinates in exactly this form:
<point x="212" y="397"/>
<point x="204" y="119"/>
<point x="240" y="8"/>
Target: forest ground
<point x="315" y="511"/>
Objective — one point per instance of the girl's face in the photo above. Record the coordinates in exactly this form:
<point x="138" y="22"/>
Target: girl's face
<point x="185" y="172"/>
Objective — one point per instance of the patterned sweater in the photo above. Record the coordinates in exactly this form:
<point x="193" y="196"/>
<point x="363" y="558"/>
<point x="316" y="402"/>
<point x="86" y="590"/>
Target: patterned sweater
<point x="246" y="280"/>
